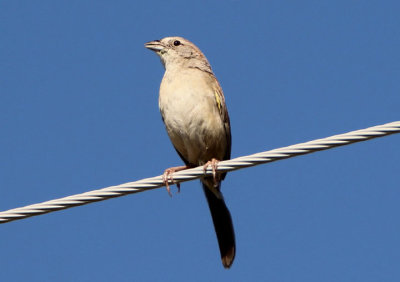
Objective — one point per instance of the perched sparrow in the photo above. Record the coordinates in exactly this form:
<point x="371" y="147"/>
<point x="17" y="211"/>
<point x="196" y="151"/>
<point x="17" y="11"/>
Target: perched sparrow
<point x="193" y="109"/>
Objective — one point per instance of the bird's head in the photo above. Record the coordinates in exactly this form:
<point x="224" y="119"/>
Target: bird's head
<point x="178" y="51"/>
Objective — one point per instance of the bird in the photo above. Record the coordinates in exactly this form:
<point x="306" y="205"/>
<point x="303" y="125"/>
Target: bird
<point x="195" y="115"/>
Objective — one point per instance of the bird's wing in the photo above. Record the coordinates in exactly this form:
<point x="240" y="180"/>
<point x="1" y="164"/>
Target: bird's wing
<point x="223" y="111"/>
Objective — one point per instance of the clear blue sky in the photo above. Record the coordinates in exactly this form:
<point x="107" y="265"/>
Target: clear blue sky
<point x="79" y="111"/>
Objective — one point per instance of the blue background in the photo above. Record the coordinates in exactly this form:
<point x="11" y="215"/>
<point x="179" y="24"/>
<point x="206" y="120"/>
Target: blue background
<point x="79" y="111"/>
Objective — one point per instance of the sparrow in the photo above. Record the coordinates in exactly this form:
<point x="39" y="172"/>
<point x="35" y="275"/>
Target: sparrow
<point x="195" y="115"/>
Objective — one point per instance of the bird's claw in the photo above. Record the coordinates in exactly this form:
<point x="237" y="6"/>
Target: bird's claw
<point x="214" y="165"/>
<point x="168" y="178"/>
<point x="167" y="175"/>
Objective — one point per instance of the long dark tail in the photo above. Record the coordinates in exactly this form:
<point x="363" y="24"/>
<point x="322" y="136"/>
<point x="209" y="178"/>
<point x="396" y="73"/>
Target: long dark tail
<point x="222" y="224"/>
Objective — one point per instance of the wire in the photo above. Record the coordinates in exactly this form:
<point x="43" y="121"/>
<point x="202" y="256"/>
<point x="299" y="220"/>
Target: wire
<point x="190" y="174"/>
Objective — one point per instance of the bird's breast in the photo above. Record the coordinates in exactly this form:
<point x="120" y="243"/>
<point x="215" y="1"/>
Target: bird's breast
<point x="194" y="125"/>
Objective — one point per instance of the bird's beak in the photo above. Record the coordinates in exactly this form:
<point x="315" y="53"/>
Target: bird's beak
<point x="155" y="46"/>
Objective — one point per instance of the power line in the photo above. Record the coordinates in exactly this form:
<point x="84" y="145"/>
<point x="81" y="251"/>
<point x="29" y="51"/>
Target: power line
<point x="190" y="174"/>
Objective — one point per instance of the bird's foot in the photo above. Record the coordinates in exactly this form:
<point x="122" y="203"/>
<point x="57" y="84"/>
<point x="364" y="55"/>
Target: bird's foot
<point x="214" y="165"/>
<point x="168" y="176"/>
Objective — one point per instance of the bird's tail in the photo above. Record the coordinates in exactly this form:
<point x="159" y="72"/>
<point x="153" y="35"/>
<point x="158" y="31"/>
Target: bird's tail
<point x="222" y="222"/>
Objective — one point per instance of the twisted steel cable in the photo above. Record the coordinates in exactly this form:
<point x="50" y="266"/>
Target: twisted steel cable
<point x="190" y="174"/>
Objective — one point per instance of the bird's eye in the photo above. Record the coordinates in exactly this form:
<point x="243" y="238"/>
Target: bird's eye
<point x="177" y="43"/>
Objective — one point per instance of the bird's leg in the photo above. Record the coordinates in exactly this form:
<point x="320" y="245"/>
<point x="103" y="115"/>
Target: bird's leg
<point x="214" y="165"/>
<point x="168" y="175"/>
